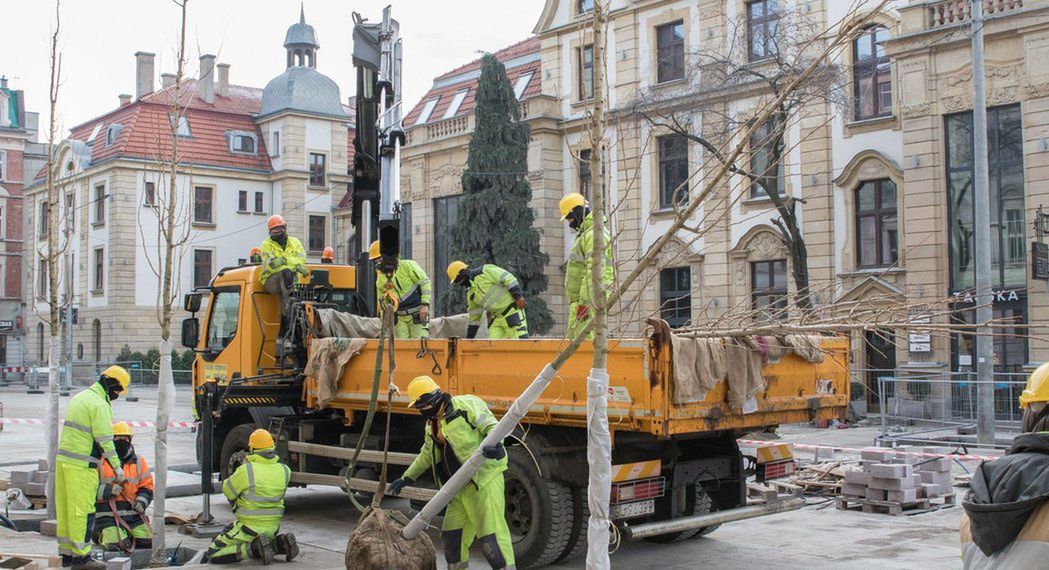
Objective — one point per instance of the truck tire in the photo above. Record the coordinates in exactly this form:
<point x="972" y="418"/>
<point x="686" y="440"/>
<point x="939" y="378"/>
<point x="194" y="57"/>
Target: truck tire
<point x="234" y="449"/>
<point x="581" y="515"/>
<point x="538" y="511"/>
<point x="699" y="503"/>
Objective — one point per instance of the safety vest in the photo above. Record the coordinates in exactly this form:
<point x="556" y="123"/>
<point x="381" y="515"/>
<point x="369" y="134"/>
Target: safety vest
<point x="275" y="258"/>
<point x="410" y="285"/>
<point x="490" y="292"/>
<point x="256" y="491"/>
<point x="462" y="429"/>
<point x="87" y="434"/>
<point x="579" y="273"/>
<point x="137" y="476"/>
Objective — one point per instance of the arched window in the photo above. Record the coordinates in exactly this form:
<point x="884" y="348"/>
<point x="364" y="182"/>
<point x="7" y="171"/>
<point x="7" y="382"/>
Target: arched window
<point x="872" y="78"/>
<point x="96" y="328"/>
<point x="40" y="339"/>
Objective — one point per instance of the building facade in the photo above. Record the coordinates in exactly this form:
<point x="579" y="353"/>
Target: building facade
<point x="245" y="153"/>
<point x="881" y="174"/>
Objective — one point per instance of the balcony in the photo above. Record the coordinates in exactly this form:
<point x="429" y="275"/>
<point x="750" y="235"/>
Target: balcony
<point x="929" y="15"/>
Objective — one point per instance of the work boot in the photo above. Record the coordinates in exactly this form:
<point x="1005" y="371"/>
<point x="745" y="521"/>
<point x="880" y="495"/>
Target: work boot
<point x="88" y="563"/>
<point x="285" y="544"/>
<point x="262" y="549"/>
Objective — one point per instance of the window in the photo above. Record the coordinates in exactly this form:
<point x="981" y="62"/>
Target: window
<point x="275" y="143"/>
<point x="41" y="284"/>
<point x="183" y="125"/>
<point x="94" y="133"/>
<point x="98" y="270"/>
<point x="96" y="328"/>
<point x="870" y="73"/>
<point x="71" y="208"/>
<point x="317" y="169"/>
<point x="406" y="231"/>
<point x="586" y="72"/>
<point x="584" y="6"/>
<point x="762" y="158"/>
<point x="202" y="201"/>
<point x="521" y="83"/>
<point x="222" y="323"/>
<point x="242" y="201"/>
<point x="100" y="204"/>
<point x="768" y="286"/>
<point x="1006" y="175"/>
<point x="316" y="233"/>
<point x="424" y="115"/>
<point x="112" y="133"/>
<point x="43" y="219"/>
<point x="258" y="202"/>
<point x="202" y="269"/>
<point x="2" y="228"/>
<point x="670" y="51"/>
<point x="40" y="341"/>
<point x="3" y="165"/>
<point x="585" y="182"/>
<point x="673" y="170"/>
<point x="876" y="241"/>
<point x="453" y="107"/>
<point x="243" y="143"/>
<point x="762" y="26"/>
<point x="149" y="197"/>
<point x="675" y="296"/>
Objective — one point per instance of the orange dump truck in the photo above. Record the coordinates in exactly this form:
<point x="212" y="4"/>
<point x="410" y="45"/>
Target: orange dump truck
<point x="670" y="461"/>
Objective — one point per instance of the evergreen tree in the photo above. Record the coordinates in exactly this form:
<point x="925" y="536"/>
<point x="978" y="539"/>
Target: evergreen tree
<point x="495" y="218"/>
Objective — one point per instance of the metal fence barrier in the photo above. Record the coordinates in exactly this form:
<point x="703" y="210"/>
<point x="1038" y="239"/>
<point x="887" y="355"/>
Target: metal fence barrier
<point x="85" y="373"/>
<point x="933" y="408"/>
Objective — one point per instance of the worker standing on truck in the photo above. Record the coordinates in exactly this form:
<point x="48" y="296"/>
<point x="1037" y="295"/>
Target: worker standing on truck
<point x="477" y="511"/>
<point x="412" y="288"/>
<point x="128" y="500"/>
<point x="495" y="291"/>
<point x="1006" y="522"/>
<point x="255" y="258"/>
<point x="328" y="256"/>
<point x="85" y="441"/>
<point x="579" y="273"/>
<point x="256" y="493"/>
<point x="282" y="259"/>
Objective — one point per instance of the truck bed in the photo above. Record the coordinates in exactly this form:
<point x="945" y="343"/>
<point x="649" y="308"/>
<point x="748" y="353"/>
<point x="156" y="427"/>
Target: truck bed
<point x="640" y="383"/>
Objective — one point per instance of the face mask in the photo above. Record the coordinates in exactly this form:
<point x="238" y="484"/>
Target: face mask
<point x="123" y="448"/>
<point x="429" y="413"/>
<point x="112" y="388"/>
<point x="281" y="237"/>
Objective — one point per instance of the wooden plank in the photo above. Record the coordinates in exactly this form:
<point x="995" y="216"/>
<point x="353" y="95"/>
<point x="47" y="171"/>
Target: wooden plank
<point x="48" y="560"/>
<point x="335" y="452"/>
<point x="417" y="493"/>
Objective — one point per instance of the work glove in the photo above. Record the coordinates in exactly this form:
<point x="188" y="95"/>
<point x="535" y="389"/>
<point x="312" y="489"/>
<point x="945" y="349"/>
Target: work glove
<point x="520" y="302"/>
<point x="582" y="312"/>
<point x="494" y="452"/>
<point x="397" y="485"/>
<point x="140" y="505"/>
<point x="302" y="270"/>
<point x="424" y="313"/>
<point x="115" y="490"/>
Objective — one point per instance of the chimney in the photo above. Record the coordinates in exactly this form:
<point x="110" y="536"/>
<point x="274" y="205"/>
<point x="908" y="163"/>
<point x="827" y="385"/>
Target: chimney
<point x="206" y="86"/>
<point x="143" y="73"/>
<point x="351" y="102"/>
<point x="3" y="82"/>
<point x="223" y="80"/>
<point x="167" y="80"/>
<point x="125" y="99"/>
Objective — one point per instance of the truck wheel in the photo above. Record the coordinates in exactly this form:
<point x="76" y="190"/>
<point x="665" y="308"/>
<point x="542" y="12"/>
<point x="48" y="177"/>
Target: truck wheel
<point x="538" y="512"/>
<point x="577" y="539"/>
<point x="698" y="502"/>
<point x="234" y="449"/>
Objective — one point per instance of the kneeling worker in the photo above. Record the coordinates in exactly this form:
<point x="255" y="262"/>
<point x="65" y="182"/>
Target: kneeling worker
<point x="477" y="511"/>
<point x="131" y="498"/>
<point x="256" y="492"/>
<point x="492" y="290"/>
<point x="412" y="288"/>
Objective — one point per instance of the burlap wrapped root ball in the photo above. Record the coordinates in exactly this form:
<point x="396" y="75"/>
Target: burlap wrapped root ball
<point x="377" y="544"/>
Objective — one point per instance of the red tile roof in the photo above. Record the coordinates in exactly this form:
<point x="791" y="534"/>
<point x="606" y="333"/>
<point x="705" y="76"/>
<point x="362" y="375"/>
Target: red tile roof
<point x="446" y="92"/>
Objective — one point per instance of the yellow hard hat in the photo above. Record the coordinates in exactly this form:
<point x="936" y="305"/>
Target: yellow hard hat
<point x="373" y="250"/>
<point x="260" y="439"/>
<point x="120" y="375"/>
<point x="122" y="428"/>
<point x="454" y="268"/>
<point x="419" y="387"/>
<point x="1037" y="389"/>
<point x="570" y="202"/>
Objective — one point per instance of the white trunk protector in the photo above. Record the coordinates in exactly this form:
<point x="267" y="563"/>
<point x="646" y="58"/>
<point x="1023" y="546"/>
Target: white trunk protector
<point x="599" y="457"/>
<point x="165" y="401"/>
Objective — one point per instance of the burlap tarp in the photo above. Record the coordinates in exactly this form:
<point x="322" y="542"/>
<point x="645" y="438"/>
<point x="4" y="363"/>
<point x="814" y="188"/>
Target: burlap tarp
<point x="330" y="322"/>
<point x="808" y="347"/>
<point x="743" y="370"/>
<point x="699" y="365"/>
<point x="377" y="544"/>
<point x="328" y="358"/>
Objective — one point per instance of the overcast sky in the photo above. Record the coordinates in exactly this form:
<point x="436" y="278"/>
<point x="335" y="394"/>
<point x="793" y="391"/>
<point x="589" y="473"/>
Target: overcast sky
<point x="99" y="38"/>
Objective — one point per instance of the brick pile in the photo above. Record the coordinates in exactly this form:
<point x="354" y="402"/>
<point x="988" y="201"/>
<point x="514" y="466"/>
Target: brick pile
<point x="32" y="482"/>
<point x="888" y="477"/>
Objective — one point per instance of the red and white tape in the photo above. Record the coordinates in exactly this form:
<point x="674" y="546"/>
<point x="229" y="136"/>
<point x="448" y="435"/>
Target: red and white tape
<point x="39" y="421"/>
<point x="859" y="450"/>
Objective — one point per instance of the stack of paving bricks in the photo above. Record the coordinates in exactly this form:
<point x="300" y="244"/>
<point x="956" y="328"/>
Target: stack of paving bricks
<point x="895" y="481"/>
<point x="32" y="482"/>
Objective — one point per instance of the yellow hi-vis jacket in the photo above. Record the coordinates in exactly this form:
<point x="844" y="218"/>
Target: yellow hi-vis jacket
<point x="275" y="258"/>
<point x="493" y="290"/>
<point x="453" y="438"/>
<point x="87" y="434"/>
<point x="410" y="284"/>
<point x="256" y="491"/>
<point x="579" y="273"/>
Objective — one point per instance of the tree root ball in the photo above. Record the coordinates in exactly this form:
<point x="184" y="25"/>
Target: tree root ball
<point x="377" y="544"/>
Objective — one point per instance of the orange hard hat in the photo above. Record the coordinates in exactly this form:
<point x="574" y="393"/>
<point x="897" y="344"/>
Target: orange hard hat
<point x="256" y="251"/>
<point x="328" y="253"/>
<point x="275" y="221"/>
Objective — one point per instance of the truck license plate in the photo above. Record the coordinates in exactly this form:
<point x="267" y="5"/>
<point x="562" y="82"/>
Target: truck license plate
<point x="636" y="509"/>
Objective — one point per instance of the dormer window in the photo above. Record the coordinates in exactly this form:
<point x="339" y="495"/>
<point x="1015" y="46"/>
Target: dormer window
<point x="427" y="111"/>
<point x="241" y="142"/>
<point x="521" y="84"/>
<point x="94" y="133"/>
<point x="112" y="133"/>
<point x="453" y="107"/>
<point x="183" y="125"/>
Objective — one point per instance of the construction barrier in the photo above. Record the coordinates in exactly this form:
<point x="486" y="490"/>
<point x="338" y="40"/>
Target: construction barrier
<point x="136" y="423"/>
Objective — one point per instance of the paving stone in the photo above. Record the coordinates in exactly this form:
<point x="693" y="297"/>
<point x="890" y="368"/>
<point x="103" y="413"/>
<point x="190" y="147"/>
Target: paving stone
<point x="857" y="477"/>
<point x="942" y="465"/>
<point x="938" y="477"/>
<point x="854" y="490"/>
<point x="35" y="489"/>
<point x="904" y="496"/>
<point x="121" y="563"/>
<point x="49" y="527"/>
<point x="876" y="455"/>
<point x="875" y="494"/>
<point x="19" y="477"/>
<point x="930" y="490"/>
<point x="890" y="484"/>
<point x="890" y="471"/>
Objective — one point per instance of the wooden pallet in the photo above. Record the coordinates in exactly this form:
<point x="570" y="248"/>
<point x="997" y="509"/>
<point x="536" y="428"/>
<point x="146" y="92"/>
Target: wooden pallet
<point x="760" y="493"/>
<point x="884" y="507"/>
